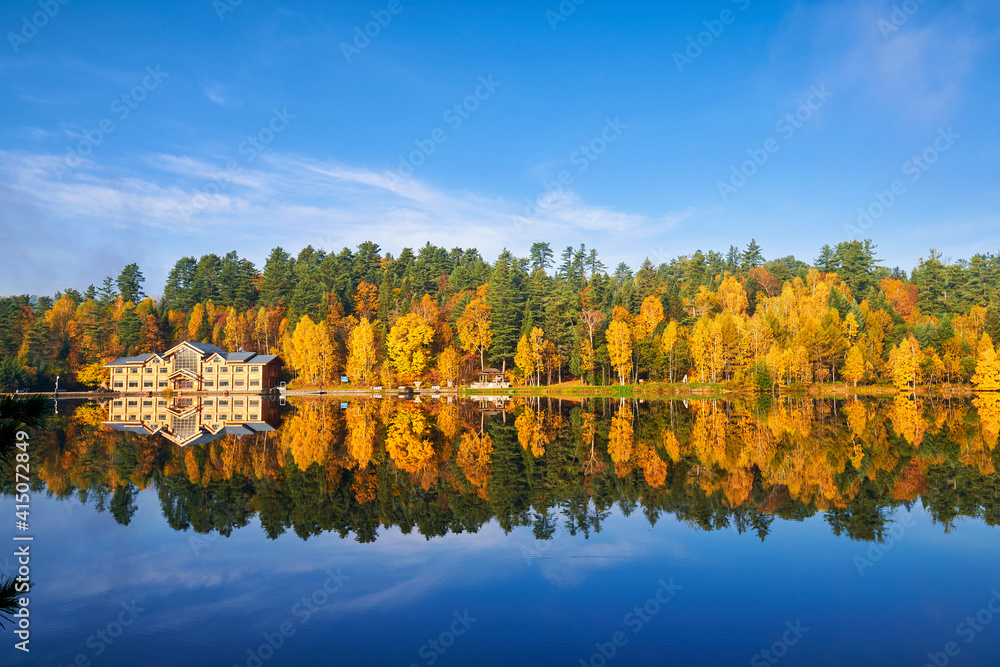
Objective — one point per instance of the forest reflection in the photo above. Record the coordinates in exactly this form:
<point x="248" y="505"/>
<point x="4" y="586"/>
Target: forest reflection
<point x="442" y="467"/>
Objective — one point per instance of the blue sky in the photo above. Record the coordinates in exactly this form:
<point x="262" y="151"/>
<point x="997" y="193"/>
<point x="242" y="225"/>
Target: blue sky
<point x="182" y="85"/>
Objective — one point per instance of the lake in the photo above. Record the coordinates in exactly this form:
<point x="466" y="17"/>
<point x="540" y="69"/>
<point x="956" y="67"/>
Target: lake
<point x="526" y="532"/>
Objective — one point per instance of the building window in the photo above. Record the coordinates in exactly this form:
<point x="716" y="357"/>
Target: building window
<point x="161" y="402"/>
<point x="164" y="370"/>
<point x="237" y="417"/>
<point x="255" y="369"/>
<point x="162" y="383"/>
<point x="187" y="359"/>
<point x="253" y="417"/>
<point x="238" y="369"/>
<point x="148" y="383"/>
<point x="131" y="403"/>
<point x="239" y="383"/>
<point x="223" y="383"/>
<point x="254" y="404"/>
<point x="133" y="384"/>
<point x="146" y="418"/>
<point x="147" y="404"/>
<point x="223" y="402"/>
<point x="117" y="404"/>
<point x="162" y="418"/>
<point x="223" y="418"/>
<point x="118" y="384"/>
<point x="223" y="369"/>
<point x="148" y="369"/>
<point x="238" y="403"/>
<point x="133" y="370"/>
<point x="254" y="383"/>
<point x="209" y="402"/>
<point x="209" y="369"/>
<point x="131" y="418"/>
<point x="119" y="371"/>
<point x="118" y="418"/>
<point x="209" y="383"/>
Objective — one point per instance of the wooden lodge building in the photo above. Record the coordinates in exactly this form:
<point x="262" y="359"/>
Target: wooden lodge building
<point x="195" y="367"/>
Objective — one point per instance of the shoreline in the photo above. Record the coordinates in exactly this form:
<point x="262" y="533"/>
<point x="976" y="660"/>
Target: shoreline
<point x="651" y="390"/>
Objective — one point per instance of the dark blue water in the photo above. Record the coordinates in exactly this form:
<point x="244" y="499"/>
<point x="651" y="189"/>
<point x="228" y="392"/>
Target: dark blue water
<point x="634" y="594"/>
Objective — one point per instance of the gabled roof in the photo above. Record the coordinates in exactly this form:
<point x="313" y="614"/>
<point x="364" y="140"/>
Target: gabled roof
<point x="204" y="348"/>
<point x="239" y="356"/>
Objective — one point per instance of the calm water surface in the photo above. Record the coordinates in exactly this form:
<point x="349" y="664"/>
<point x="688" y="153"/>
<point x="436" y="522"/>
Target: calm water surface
<point x="541" y="533"/>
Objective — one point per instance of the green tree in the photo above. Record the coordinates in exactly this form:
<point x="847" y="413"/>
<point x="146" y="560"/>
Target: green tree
<point x="752" y="257"/>
<point x="130" y="283"/>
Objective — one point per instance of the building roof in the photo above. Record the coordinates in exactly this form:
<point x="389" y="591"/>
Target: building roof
<point x="264" y="358"/>
<point x="206" y="349"/>
<point x="130" y="361"/>
<point x="490" y="370"/>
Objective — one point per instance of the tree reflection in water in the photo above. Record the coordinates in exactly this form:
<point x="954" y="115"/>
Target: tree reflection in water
<point x="441" y="467"/>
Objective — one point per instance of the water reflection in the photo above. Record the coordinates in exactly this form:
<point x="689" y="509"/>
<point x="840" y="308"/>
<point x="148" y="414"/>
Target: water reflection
<point x="440" y="466"/>
<point x="196" y="420"/>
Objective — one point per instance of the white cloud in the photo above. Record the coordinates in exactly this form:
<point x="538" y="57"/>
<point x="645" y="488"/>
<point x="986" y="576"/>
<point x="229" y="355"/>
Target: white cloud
<point x="294" y="201"/>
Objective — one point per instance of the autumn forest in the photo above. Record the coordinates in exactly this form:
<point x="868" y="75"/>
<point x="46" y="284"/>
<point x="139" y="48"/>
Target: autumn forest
<point x="434" y="315"/>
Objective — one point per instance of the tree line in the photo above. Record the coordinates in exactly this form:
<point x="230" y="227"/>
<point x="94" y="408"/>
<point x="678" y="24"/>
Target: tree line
<point x="438" y="315"/>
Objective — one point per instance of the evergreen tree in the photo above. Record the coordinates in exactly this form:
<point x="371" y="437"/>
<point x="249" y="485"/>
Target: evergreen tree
<point x="178" y="293"/>
<point x="540" y="256"/>
<point x="506" y="299"/>
<point x="277" y="282"/>
<point x="827" y="261"/>
<point x="752" y="257"/>
<point x="130" y="283"/>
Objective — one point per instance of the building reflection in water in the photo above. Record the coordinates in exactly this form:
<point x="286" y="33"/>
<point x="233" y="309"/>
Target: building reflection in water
<point x="194" y="420"/>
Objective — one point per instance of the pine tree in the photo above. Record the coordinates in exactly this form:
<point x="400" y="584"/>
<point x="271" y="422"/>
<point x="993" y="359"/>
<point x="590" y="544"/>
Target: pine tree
<point x="130" y="283"/>
<point x="752" y="257"/>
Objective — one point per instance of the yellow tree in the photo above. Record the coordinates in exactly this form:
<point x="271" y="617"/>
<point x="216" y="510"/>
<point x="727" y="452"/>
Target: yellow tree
<point x="531" y="431"/>
<point x="536" y="340"/>
<point x="904" y="362"/>
<point x="619" y="338"/>
<point x="622" y="435"/>
<point x="407" y="342"/>
<point x="406" y="441"/>
<point x="475" y="452"/>
<point x="586" y="357"/>
<point x="362" y="432"/>
<point x="524" y="359"/>
<point x="475" y="329"/>
<point x="310" y="352"/>
<point x="854" y="366"/>
<point x="361" y="353"/>
<point x="732" y="297"/>
<point x="450" y="364"/>
<point x="987" y="377"/>
<point x="650" y="315"/>
<point x="366" y="300"/>
<point x="196" y="321"/>
<point x="668" y="344"/>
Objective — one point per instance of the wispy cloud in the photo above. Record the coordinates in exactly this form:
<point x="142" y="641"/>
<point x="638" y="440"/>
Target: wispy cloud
<point x="216" y="93"/>
<point x="917" y="70"/>
<point x="298" y="201"/>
